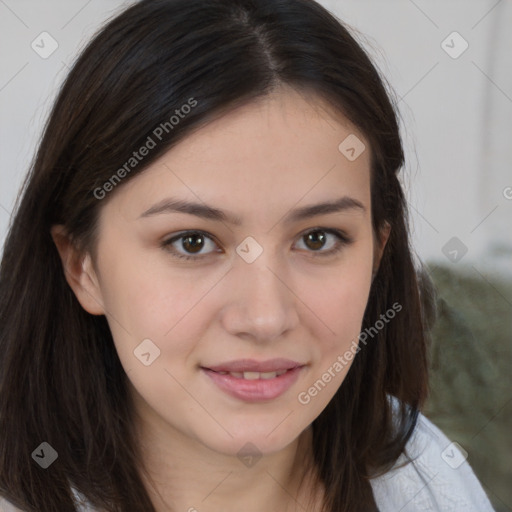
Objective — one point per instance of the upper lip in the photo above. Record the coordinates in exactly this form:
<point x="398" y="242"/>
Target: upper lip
<point x="251" y="365"/>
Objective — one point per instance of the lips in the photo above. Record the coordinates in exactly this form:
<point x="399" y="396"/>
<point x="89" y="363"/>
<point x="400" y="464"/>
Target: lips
<point x="254" y="389"/>
<point x="254" y="381"/>
<point x="254" y="375"/>
<point x="252" y="366"/>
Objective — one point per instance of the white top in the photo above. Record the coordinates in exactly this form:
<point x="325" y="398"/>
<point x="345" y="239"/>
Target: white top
<point x="438" y="480"/>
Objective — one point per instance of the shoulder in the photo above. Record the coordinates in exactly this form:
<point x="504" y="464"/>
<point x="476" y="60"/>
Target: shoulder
<point x="438" y="477"/>
<point x="6" y="506"/>
<point x="81" y="503"/>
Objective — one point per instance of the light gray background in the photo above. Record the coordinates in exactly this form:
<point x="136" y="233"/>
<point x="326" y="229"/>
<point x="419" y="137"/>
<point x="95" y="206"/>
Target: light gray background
<point x="457" y="113"/>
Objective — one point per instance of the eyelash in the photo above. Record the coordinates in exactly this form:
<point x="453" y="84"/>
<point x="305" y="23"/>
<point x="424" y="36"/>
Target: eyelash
<point x="343" y="241"/>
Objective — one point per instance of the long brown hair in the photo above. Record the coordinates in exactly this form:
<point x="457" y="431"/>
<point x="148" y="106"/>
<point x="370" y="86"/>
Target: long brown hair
<point x="61" y="381"/>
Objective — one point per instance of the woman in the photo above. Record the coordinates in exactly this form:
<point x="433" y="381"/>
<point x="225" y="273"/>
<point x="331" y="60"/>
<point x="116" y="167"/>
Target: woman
<point x="207" y="295"/>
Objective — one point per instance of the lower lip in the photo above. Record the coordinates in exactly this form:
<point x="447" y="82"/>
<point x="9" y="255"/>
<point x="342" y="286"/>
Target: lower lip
<point x="257" y="390"/>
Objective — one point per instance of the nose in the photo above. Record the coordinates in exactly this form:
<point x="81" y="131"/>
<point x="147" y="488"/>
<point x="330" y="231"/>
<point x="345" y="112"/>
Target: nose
<point x="260" y="303"/>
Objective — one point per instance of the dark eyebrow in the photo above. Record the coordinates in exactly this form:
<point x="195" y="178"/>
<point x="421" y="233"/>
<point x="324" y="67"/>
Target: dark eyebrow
<point x="171" y="205"/>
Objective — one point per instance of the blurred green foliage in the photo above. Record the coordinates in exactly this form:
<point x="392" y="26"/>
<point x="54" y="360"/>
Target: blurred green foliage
<point x="471" y="372"/>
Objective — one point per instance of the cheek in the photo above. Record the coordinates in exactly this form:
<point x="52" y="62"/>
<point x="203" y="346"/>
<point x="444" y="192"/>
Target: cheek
<point x="146" y="296"/>
<point x="148" y="299"/>
<point x="344" y="299"/>
<point x="339" y="296"/>
<point x="341" y="308"/>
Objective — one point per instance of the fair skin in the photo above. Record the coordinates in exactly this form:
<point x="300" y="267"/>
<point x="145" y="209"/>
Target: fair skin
<point x="259" y="163"/>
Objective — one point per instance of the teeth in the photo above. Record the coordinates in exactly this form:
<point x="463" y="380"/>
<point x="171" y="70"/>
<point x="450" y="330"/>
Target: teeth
<point x="254" y="375"/>
<point x="268" y="375"/>
<point x="251" y="375"/>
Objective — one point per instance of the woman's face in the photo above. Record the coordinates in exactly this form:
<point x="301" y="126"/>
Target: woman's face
<point x="258" y="291"/>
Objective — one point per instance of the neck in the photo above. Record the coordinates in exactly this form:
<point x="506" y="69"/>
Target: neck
<point x="182" y="474"/>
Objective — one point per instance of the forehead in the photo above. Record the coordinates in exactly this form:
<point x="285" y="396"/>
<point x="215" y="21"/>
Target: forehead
<point x="280" y="151"/>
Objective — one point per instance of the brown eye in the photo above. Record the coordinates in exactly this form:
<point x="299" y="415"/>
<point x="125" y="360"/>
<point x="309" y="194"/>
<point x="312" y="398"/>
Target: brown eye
<point x="315" y="239"/>
<point x="193" y="243"/>
<point x="191" y="246"/>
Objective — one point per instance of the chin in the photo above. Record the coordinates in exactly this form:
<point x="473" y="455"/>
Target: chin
<point x="251" y="441"/>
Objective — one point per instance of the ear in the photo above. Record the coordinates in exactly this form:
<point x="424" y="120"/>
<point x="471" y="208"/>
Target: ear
<point x="79" y="272"/>
<point x="380" y="243"/>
